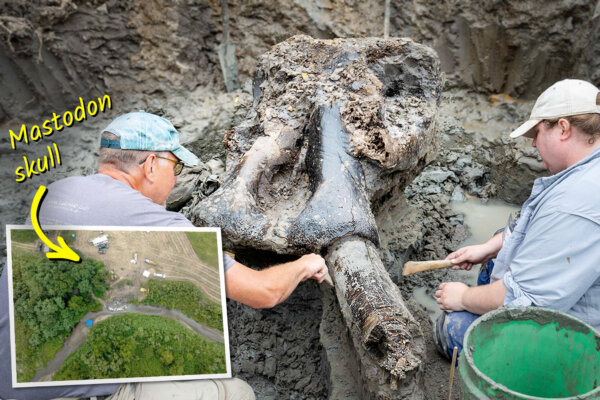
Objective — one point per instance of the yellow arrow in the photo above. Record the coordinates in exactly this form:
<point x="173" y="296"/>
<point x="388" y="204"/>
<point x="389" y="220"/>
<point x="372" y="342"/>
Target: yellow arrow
<point x="62" y="251"/>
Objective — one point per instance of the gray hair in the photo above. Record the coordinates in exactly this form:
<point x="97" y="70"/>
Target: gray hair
<point x="123" y="160"/>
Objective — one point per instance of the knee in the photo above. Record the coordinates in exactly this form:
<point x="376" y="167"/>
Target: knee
<point x="236" y="389"/>
<point x="449" y="331"/>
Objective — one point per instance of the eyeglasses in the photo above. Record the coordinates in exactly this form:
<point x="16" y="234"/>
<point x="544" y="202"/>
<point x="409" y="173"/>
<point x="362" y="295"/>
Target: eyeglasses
<point x="176" y="169"/>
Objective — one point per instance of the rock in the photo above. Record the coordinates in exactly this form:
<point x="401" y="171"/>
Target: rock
<point x="431" y="190"/>
<point x="470" y="174"/>
<point x="462" y="162"/>
<point x="270" y="367"/>
<point x="102" y="9"/>
<point x="248" y="366"/>
<point x="438" y="175"/>
<point x="457" y="220"/>
<point x="302" y="383"/>
<point x="458" y="195"/>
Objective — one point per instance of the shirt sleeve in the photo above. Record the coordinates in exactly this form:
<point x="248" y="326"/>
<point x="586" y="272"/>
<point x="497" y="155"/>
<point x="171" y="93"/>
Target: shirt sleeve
<point x="227" y="262"/>
<point x="556" y="264"/>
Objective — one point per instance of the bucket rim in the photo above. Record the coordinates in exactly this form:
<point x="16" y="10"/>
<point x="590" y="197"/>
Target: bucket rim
<point x="516" y="312"/>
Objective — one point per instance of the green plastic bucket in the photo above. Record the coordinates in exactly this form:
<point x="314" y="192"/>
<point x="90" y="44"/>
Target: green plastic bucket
<point x="530" y="353"/>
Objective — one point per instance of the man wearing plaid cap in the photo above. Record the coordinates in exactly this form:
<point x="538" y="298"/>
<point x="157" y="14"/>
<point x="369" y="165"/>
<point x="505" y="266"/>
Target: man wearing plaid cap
<point x="139" y="160"/>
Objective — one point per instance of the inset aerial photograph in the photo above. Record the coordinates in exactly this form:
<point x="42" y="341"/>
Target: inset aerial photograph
<point x="141" y="304"/>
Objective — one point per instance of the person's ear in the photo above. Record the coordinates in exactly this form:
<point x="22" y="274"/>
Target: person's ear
<point x="565" y="126"/>
<point x="149" y="168"/>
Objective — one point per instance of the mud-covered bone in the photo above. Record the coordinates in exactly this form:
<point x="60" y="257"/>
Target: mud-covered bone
<point x="335" y="126"/>
<point x="338" y="206"/>
<point x="388" y="340"/>
<point x="387" y="93"/>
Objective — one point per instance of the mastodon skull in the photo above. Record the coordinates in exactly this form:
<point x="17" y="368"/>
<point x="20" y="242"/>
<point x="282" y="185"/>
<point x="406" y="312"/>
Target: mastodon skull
<point x="334" y="127"/>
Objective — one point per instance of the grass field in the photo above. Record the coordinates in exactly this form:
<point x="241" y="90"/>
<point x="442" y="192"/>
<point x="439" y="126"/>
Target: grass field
<point x="29" y="235"/>
<point x="205" y="246"/>
<point x="23" y="235"/>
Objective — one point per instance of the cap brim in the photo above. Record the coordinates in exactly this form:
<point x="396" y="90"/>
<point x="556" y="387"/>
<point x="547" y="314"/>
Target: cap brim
<point x="186" y="156"/>
<point x="525" y="129"/>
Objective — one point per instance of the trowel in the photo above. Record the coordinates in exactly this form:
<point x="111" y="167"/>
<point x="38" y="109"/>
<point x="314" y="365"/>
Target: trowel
<point x="412" y="267"/>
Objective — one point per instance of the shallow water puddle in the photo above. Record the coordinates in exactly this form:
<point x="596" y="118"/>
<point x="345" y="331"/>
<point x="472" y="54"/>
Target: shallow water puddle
<point x="427" y="301"/>
<point x="483" y="219"/>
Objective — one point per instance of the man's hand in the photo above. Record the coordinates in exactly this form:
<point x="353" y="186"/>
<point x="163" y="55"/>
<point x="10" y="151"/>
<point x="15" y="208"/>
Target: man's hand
<point x="450" y="296"/>
<point x="456" y="296"/>
<point x="270" y="286"/>
<point x="465" y="257"/>
<point x="315" y="267"/>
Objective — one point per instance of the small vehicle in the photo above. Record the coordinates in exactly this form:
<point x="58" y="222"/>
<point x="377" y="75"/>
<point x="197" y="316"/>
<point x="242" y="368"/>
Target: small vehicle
<point x="102" y="248"/>
<point x="100" y="240"/>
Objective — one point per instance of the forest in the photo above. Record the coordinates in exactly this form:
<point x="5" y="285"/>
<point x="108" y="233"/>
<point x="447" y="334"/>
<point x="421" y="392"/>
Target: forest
<point x="133" y="345"/>
<point x="50" y="298"/>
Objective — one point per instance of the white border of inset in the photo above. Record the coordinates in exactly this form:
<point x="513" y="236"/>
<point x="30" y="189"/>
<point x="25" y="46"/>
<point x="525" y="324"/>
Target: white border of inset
<point x="16" y="384"/>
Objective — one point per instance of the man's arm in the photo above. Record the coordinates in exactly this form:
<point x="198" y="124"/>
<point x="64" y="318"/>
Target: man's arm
<point x="557" y="262"/>
<point x="271" y="286"/>
<point x="456" y="296"/>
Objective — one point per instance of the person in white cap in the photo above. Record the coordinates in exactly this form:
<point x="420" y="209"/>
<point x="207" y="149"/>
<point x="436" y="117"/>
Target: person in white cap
<point x="552" y="256"/>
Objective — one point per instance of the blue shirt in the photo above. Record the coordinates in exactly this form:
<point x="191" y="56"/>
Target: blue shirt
<point x="552" y="258"/>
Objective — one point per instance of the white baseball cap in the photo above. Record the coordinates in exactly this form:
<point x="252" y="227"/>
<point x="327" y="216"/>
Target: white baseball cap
<point x="564" y="98"/>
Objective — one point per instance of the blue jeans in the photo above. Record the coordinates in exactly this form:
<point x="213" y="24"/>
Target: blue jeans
<point x="453" y="325"/>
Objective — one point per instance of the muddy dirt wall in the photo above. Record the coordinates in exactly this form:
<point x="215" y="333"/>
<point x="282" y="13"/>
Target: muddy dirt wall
<point x="55" y="51"/>
<point x="515" y="47"/>
<point x="52" y="52"/>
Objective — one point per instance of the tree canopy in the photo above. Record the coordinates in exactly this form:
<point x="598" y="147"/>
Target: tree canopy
<point x="186" y="297"/>
<point x="51" y="296"/>
<point x="133" y="345"/>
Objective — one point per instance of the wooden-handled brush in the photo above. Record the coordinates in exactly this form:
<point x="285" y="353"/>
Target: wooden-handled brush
<point x="413" y="267"/>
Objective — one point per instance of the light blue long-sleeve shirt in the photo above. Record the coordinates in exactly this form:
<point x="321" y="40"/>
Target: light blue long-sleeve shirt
<point x="552" y="258"/>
